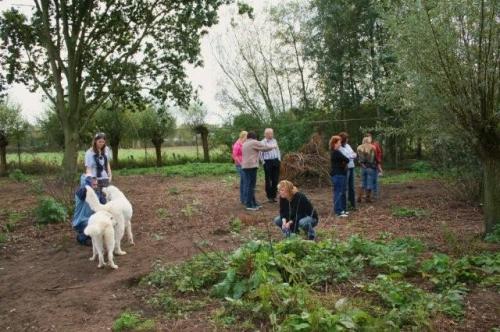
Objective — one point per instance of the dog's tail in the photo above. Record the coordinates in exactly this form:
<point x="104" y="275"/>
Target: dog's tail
<point x="92" y="200"/>
<point x="91" y="230"/>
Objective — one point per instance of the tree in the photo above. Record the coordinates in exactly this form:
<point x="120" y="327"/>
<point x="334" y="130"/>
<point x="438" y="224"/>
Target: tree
<point x="156" y="125"/>
<point x="80" y="53"/>
<point x="348" y="41"/>
<point x="265" y="70"/>
<point x="195" y="116"/>
<point x="10" y="122"/>
<point x="114" y="120"/>
<point x="453" y="49"/>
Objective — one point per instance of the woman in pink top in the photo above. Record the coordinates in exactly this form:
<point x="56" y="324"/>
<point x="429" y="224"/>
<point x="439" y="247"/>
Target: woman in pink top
<point x="238" y="157"/>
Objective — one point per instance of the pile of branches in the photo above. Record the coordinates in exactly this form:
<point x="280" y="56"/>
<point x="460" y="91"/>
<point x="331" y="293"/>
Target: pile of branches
<point x="311" y="164"/>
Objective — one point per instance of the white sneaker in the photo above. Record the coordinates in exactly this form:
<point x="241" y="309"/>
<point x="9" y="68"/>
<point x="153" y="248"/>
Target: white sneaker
<point x="342" y="215"/>
<point x="345" y="212"/>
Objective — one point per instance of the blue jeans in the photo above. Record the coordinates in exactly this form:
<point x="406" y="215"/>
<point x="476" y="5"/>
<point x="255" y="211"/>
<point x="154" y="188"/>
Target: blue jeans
<point x="338" y="182"/>
<point x="368" y="178"/>
<point x="242" y="184"/>
<point x="250" y="182"/>
<point x="307" y="224"/>
<point x="350" y="193"/>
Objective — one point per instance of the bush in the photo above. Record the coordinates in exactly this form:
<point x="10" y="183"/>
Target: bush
<point x="18" y="175"/>
<point x="133" y="321"/>
<point x="421" y="166"/>
<point x="405" y="212"/>
<point x="493" y="236"/>
<point x="50" y="211"/>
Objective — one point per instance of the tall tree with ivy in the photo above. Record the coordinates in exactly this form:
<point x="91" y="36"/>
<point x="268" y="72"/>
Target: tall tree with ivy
<point x="452" y="47"/>
<point x="79" y="53"/>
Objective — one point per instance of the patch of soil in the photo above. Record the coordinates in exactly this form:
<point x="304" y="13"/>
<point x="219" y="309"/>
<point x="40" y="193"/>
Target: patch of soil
<point x="47" y="282"/>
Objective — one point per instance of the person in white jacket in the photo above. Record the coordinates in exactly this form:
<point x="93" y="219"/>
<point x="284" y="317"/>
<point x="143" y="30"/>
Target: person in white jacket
<point x="347" y="151"/>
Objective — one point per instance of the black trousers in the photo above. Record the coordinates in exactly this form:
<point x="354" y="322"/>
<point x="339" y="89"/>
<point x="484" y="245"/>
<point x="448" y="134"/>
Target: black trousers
<point x="272" y="172"/>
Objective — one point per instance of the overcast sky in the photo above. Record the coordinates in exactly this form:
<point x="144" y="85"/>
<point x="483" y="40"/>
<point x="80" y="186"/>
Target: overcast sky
<point x="204" y="79"/>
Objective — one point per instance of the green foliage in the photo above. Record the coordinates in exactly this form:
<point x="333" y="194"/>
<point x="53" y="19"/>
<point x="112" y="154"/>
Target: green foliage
<point x="406" y="177"/>
<point x="406" y="212"/>
<point x="421" y="166"/>
<point x="493" y="236"/>
<point x="130" y="321"/>
<point x="235" y="225"/>
<point x="195" y="274"/>
<point x="49" y="211"/>
<point x="3" y="237"/>
<point x="281" y="286"/>
<point x="18" y="175"/>
<point x="186" y="170"/>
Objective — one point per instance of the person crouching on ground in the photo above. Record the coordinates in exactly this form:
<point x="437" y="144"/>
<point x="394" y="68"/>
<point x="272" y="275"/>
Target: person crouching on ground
<point x="82" y="209"/>
<point x="366" y="157"/>
<point x="296" y="211"/>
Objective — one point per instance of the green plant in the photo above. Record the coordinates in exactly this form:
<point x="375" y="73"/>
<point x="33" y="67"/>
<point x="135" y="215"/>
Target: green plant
<point x="3" y="237"/>
<point x="18" y="175"/>
<point x="421" y="166"/>
<point x="162" y="213"/>
<point x="493" y="236"/>
<point x="36" y="187"/>
<point x="49" y="211"/>
<point x="174" y="191"/>
<point x="189" y="210"/>
<point x="193" y="275"/>
<point x="406" y="212"/>
<point x="235" y="225"/>
<point x="130" y="321"/>
<point x="13" y="217"/>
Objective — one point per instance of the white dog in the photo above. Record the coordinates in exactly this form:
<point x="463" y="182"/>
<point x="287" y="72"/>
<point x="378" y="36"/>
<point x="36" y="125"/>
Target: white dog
<point x="101" y="228"/>
<point x="121" y="209"/>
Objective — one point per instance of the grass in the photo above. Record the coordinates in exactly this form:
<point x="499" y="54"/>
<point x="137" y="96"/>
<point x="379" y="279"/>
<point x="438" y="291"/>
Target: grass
<point x="186" y="170"/>
<point x="56" y="157"/>
<point x="406" y="212"/>
<point x="131" y="321"/>
<point x="406" y="177"/>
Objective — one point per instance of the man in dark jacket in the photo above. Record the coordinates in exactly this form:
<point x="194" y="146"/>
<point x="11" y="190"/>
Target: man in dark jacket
<point x="296" y="211"/>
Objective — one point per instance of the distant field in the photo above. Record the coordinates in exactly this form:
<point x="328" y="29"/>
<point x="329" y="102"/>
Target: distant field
<point x="124" y="154"/>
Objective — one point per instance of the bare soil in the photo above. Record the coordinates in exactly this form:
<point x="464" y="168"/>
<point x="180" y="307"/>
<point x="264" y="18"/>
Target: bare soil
<point x="47" y="282"/>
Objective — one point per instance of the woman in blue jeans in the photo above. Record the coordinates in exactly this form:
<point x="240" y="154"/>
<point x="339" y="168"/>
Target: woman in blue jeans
<point x="296" y="211"/>
<point x="238" y="159"/>
<point x="339" y="174"/>
<point x="367" y="160"/>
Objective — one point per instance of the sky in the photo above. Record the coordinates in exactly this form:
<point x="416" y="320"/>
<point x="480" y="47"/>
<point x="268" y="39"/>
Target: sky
<point x="204" y="79"/>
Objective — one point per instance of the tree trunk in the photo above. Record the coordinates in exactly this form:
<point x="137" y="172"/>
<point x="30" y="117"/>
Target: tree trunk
<point x="70" y="158"/>
<point x="19" y="154"/>
<point x="419" y="148"/>
<point x="115" y="148"/>
<point x="491" y="193"/>
<point x="204" y="142"/>
<point x="3" y="160"/>
<point x="158" y="154"/>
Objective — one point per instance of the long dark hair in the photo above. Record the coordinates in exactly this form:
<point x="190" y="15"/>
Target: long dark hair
<point x="97" y="137"/>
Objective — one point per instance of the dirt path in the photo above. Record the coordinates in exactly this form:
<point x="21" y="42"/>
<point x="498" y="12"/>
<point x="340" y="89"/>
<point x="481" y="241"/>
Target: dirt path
<point x="48" y="284"/>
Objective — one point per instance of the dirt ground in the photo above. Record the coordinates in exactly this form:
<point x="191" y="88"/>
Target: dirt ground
<point x="47" y="282"/>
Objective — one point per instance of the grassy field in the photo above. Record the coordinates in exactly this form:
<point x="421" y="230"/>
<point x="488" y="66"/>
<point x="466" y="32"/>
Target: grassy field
<point x="124" y="154"/>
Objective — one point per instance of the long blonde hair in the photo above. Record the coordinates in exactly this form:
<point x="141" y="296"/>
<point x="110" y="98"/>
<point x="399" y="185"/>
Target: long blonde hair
<point x="366" y="147"/>
<point x="243" y="135"/>
<point x="288" y="186"/>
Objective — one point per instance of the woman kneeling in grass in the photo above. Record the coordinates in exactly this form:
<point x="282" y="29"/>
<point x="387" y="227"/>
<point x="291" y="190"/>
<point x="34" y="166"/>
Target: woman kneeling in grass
<point x="296" y="211"/>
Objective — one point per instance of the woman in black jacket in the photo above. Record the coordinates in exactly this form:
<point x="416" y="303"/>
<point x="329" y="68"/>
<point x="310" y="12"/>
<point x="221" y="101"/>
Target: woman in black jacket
<point x="296" y="211"/>
<point x="338" y="173"/>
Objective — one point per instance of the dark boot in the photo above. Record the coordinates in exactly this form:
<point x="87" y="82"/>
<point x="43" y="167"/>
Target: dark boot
<point x="368" y="196"/>
<point x="360" y="195"/>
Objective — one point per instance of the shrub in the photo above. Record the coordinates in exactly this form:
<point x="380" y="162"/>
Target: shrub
<point x="494" y="236"/>
<point x="50" y="211"/>
<point x="421" y="166"/>
<point x="133" y="321"/>
<point x="18" y="175"/>
<point x="405" y="212"/>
